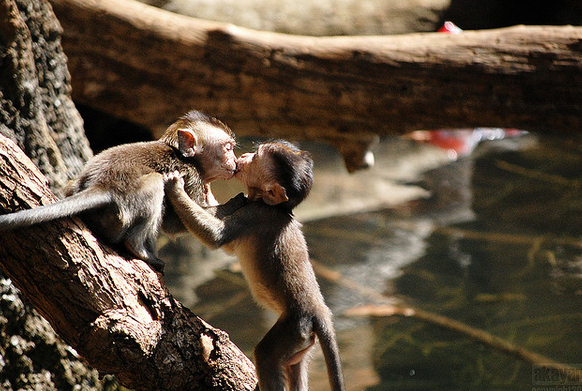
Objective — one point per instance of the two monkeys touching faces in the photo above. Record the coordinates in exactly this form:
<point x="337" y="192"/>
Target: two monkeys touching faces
<point x="272" y="251"/>
<point x="126" y="194"/>
<point x="120" y="192"/>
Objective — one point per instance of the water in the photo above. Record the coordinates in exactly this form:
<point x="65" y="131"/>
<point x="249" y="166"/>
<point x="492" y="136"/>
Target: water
<point x="491" y="240"/>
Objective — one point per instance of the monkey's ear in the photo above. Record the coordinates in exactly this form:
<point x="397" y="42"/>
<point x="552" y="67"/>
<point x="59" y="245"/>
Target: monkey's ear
<point x="274" y="193"/>
<point x="187" y="142"/>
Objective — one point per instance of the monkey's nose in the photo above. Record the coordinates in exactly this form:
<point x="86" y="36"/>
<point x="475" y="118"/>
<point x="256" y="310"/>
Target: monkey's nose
<point x="239" y="164"/>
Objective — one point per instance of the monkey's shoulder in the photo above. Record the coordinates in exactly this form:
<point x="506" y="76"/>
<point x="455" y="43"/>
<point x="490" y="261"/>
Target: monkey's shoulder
<point x="259" y="218"/>
<point x="260" y="209"/>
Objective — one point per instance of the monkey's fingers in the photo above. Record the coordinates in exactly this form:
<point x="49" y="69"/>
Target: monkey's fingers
<point x="156" y="264"/>
<point x="173" y="179"/>
<point x="172" y="176"/>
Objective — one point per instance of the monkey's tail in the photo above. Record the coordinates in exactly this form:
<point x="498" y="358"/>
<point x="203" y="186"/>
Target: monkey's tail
<point x="324" y="330"/>
<point x="70" y="206"/>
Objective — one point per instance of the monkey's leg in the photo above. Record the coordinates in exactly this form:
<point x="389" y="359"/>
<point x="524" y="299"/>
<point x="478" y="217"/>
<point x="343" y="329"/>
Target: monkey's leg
<point x="298" y="373"/>
<point x="144" y="214"/>
<point x="280" y="356"/>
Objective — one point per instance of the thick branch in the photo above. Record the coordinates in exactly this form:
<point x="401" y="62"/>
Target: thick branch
<point x="116" y="312"/>
<point x="149" y="65"/>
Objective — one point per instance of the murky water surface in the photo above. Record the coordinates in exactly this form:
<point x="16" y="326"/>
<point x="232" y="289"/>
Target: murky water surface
<point x="491" y="240"/>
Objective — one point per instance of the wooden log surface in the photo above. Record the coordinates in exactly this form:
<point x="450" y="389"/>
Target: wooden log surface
<point x="116" y="312"/>
<point x="149" y="66"/>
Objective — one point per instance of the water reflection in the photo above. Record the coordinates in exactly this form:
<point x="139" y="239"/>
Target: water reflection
<point x="491" y="240"/>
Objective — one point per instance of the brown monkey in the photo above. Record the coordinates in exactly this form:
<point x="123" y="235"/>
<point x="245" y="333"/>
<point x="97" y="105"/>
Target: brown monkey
<point x="273" y="253"/>
<point x="120" y="193"/>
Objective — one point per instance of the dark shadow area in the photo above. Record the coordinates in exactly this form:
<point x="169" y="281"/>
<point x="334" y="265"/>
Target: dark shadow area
<point x="476" y="14"/>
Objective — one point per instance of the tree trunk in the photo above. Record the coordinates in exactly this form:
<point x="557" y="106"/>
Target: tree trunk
<point x="36" y="109"/>
<point x="116" y="313"/>
<point x="149" y="65"/>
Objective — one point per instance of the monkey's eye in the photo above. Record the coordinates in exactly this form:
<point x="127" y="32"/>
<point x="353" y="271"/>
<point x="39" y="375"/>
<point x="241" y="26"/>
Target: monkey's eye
<point x="229" y="147"/>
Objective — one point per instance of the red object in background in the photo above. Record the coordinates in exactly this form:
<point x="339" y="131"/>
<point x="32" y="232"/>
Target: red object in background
<point x="450" y="28"/>
<point x="461" y="142"/>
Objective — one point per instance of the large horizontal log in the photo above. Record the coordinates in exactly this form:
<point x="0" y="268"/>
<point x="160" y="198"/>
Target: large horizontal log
<point x="149" y="65"/>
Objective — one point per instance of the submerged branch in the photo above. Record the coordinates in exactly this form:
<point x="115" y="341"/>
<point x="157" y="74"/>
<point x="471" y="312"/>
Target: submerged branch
<point x="481" y="336"/>
<point x="400" y="309"/>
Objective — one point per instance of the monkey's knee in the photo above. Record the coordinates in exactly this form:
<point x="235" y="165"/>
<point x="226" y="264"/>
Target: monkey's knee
<point x="151" y="190"/>
<point x="303" y="349"/>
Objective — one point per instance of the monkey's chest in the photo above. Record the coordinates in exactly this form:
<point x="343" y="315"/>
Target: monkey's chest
<point x="259" y="275"/>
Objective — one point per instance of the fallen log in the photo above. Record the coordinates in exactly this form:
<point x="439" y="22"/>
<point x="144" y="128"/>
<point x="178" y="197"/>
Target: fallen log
<point x="148" y="65"/>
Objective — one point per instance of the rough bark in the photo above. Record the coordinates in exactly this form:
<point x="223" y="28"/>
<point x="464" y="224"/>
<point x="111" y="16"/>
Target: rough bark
<point x="116" y="313"/>
<point x="36" y="108"/>
<point x="33" y="356"/>
<point x="149" y="65"/>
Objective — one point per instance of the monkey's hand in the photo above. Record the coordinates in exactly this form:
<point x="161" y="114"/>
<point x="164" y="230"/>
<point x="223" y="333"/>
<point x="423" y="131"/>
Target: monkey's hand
<point x="173" y="182"/>
<point x="237" y="201"/>
<point x="231" y="206"/>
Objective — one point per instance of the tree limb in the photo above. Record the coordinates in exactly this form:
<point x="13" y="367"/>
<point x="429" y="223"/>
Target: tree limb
<point x="149" y="66"/>
<point x="117" y="313"/>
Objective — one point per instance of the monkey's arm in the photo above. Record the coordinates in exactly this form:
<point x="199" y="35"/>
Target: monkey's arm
<point x="172" y="223"/>
<point x="231" y="206"/>
<point x="210" y="229"/>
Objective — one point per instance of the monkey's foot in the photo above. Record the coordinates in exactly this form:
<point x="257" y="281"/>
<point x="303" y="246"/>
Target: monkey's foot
<point x="157" y="264"/>
<point x="146" y="255"/>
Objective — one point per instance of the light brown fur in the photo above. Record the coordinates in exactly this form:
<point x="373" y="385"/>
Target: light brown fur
<point x="273" y="253"/>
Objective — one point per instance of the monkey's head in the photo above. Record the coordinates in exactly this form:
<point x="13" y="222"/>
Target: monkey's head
<point x="278" y="173"/>
<point x="207" y="141"/>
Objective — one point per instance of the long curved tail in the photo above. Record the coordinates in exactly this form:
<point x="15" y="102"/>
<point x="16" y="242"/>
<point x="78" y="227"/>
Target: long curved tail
<point x="324" y="330"/>
<point x="85" y="200"/>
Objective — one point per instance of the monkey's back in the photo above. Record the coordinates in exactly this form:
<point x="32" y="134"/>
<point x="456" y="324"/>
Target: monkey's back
<point x="133" y="175"/>
<point x="275" y="260"/>
<point x="117" y="168"/>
